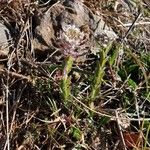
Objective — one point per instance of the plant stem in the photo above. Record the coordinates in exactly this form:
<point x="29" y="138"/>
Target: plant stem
<point x="99" y="73"/>
<point x="65" y="84"/>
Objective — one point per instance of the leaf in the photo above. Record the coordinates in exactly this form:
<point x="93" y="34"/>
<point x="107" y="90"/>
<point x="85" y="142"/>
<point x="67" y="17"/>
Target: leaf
<point x="104" y="120"/>
<point x="132" y="84"/>
<point x="99" y="72"/>
<point x="76" y="133"/>
<point x="132" y="139"/>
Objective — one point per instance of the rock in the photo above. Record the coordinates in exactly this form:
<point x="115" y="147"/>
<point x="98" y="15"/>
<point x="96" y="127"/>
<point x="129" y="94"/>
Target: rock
<point x="52" y="29"/>
<point x="103" y="34"/>
<point x="102" y="28"/>
<point x="56" y="18"/>
<point x="5" y="39"/>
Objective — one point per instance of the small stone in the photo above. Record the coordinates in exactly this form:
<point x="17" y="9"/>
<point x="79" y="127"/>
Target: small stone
<point x="5" y="39"/>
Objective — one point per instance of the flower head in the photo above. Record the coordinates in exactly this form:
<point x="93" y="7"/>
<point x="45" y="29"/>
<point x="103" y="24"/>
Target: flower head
<point x="72" y="35"/>
<point x="72" y="41"/>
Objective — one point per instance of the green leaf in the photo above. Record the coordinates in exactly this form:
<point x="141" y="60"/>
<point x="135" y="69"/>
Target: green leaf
<point x="103" y="120"/>
<point x="76" y="133"/>
<point x="99" y="72"/>
<point x="132" y="84"/>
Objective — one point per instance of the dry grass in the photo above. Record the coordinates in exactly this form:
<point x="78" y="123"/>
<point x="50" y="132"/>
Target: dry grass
<point x="93" y="104"/>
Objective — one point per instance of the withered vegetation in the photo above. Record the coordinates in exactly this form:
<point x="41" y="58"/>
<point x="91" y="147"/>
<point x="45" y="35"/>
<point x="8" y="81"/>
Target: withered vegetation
<point x="74" y="75"/>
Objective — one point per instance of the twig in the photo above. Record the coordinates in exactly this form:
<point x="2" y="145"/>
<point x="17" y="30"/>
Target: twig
<point x="135" y="24"/>
<point x="137" y="107"/>
<point x="15" y="109"/>
<point x="139" y="119"/>
<point x="94" y="111"/>
<point x="120" y="130"/>
<point x="57" y="120"/>
<point x="116" y="145"/>
<point x="16" y="75"/>
<point x="7" y="144"/>
<point x="131" y="27"/>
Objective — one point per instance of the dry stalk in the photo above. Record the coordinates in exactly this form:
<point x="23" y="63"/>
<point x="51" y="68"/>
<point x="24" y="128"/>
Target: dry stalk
<point x="120" y="130"/>
<point x="15" y="75"/>
<point x="15" y="109"/>
<point x="94" y="111"/>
